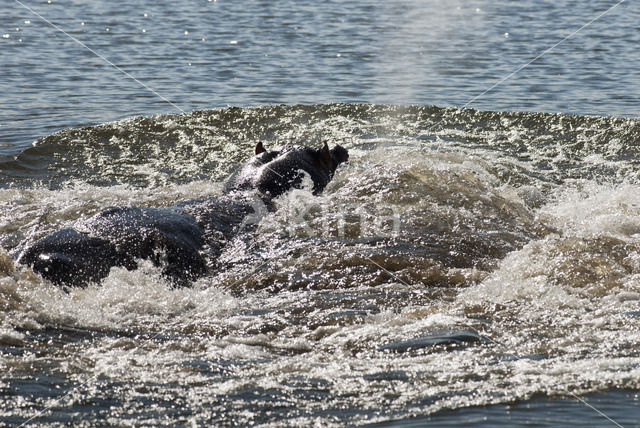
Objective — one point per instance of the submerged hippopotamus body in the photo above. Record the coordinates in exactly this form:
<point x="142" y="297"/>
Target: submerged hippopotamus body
<point x="185" y="239"/>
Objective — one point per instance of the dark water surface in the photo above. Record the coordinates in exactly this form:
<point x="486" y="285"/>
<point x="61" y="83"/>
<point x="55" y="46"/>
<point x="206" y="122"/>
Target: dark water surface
<point x="476" y="266"/>
<point x="203" y="54"/>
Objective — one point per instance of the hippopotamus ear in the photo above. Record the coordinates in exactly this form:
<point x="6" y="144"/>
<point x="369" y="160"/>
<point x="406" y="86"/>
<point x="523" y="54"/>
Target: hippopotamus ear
<point x="260" y="148"/>
<point x="325" y="153"/>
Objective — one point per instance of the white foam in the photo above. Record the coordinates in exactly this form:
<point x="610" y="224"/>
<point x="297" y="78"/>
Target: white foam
<point x="594" y="209"/>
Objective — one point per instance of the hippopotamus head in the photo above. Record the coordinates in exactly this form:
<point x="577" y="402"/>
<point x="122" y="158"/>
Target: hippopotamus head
<point x="274" y="172"/>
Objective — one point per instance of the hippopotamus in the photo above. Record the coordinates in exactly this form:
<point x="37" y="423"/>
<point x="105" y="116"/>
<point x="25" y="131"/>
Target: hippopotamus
<point x="272" y="173"/>
<point x="184" y="239"/>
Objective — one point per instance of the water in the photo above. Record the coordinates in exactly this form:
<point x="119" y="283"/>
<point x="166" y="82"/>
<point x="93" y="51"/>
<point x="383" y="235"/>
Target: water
<point x="206" y="54"/>
<point x="474" y="266"/>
